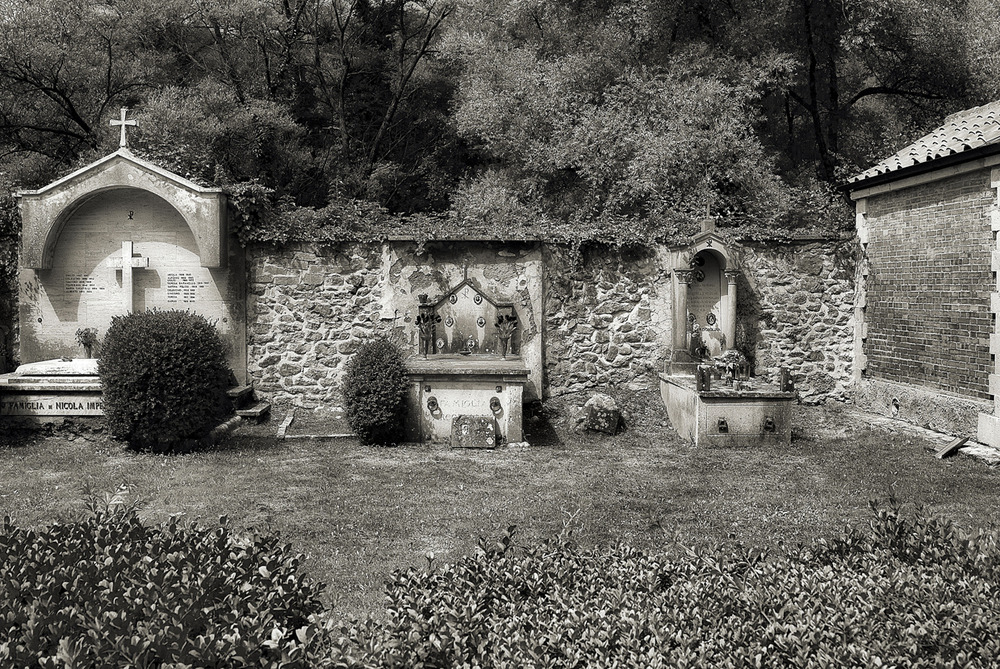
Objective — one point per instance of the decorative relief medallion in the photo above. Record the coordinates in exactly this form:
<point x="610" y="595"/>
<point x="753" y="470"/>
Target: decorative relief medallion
<point x="449" y="321"/>
<point x="453" y="298"/>
<point x="440" y="344"/>
<point x="478" y="299"/>
<point x="698" y="275"/>
<point x="481" y="322"/>
<point x="710" y="318"/>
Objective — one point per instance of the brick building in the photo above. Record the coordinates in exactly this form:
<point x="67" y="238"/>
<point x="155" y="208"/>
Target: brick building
<point x="926" y="303"/>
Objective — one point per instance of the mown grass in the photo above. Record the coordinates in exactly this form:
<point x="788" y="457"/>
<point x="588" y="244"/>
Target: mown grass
<point x="359" y="513"/>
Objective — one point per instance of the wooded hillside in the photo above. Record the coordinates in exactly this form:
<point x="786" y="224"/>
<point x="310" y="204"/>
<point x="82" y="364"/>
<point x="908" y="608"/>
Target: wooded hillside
<point x="579" y="119"/>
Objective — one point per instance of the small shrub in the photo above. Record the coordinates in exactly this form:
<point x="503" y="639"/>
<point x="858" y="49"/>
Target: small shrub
<point x="111" y="591"/>
<point x="375" y="386"/>
<point x="164" y="378"/>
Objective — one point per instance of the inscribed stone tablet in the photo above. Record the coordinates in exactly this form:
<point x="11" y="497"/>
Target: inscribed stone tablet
<point x="473" y="432"/>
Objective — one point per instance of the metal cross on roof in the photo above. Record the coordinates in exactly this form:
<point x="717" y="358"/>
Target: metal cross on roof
<point x="123" y="123"/>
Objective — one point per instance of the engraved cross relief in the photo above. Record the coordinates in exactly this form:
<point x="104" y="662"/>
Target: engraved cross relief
<point x="126" y="263"/>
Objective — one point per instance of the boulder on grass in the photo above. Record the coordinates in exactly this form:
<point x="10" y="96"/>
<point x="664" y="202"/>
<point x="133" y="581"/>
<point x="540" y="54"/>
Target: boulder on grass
<point x="601" y="414"/>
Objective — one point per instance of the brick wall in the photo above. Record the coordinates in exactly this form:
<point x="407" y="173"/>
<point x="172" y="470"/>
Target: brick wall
<point x="928" y="289"/>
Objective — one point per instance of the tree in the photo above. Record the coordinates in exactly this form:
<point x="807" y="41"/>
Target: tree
<point x="610" y="142"/>
<point x="64" y="66"/>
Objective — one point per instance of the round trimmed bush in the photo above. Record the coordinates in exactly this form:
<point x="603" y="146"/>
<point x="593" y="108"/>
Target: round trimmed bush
<point x="375" y="392"/>
<point x="164" y="377"/>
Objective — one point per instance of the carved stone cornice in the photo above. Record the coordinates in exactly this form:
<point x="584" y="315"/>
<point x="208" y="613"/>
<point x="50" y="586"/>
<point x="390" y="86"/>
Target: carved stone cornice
<point x="684" y="276"/>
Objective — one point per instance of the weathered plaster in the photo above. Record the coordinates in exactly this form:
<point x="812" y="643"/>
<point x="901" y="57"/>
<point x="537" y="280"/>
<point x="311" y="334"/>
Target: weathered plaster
<point x="44" y="212"/>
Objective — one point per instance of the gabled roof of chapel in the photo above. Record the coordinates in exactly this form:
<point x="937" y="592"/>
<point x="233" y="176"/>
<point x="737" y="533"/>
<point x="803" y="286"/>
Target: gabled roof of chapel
<point x="963" y="136"/>
<point x="121" y="155"/>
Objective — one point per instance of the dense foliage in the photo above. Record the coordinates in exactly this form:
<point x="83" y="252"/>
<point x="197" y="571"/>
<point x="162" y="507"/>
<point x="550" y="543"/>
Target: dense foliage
<point x="164" y="378"/>
<point x="112" y="591"/>
<point x="10" y="229"/>
<point x="604" y="120"/>
<point x="911" y="591"/>
<point x="374" y="387"/>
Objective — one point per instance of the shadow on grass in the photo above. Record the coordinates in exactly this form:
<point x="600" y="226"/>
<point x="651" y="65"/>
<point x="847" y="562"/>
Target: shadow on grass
<point x="20" y="437"/>
<point x="249" y="443"/>
<point x="538" y="427"/>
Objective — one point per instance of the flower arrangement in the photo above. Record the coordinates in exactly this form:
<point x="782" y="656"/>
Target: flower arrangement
<point x="425" y="322"/>
<point x="87" y="338"/>
<point x="732" y="363"/>
<point x="506" y="324"/>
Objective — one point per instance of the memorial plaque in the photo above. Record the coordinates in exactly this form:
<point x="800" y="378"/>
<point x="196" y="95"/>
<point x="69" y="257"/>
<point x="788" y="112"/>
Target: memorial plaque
<point x="80" y="284"/>
<point x="473" y="432"/>
<point x="183" y="287"/>
<point x="83" y="404"/>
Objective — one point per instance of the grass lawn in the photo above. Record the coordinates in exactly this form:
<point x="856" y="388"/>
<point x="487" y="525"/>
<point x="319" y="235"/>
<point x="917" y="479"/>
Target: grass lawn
<point x="359" y="513"/>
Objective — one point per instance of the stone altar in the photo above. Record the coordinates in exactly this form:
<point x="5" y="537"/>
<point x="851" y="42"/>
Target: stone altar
<point x="468" y="373"/>
<point x="708" y="389"/>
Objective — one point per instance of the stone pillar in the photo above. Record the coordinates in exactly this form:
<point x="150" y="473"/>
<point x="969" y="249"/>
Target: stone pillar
<point x="682" y="282"/>
<point x="988" y="431"/>
<point x="729" y="325"/>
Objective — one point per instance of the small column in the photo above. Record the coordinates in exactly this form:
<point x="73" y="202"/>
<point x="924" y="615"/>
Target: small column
<point x="860" y="294"/>
<point x="683" y="281"/>
<point x="729" y="325"/>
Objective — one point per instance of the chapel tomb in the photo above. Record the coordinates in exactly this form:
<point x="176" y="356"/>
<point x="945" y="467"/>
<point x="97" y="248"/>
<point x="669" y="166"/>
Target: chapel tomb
<point x="712" y="397"/>
<point x="117" y="236"/>
<point x="467" y="378"/>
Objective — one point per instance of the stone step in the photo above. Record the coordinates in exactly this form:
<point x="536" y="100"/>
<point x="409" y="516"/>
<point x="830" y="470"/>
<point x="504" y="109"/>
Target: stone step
<point x="240" y="395"/>
<point x="256" y="412"/>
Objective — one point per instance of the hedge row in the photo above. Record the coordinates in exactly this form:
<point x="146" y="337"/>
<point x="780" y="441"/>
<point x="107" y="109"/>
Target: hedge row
<point x="908" y="591"/>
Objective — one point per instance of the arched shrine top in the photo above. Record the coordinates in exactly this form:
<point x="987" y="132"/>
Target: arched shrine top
<point x="45" y="211"/>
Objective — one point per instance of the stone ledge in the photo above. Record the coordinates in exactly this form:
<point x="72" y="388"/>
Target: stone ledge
<point x="460" y="365"/>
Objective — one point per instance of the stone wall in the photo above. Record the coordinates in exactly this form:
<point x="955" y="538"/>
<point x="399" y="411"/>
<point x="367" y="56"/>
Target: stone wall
<point x="308" y="310"/>
<point x="310" y="306"/>
<point x="927" y="310"/>
<point x="607" y="316"/>
<point x="595" y="320"/>
<point x="796" y="305"/>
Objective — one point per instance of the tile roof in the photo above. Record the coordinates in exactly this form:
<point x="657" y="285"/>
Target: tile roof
<point x="964" y="131"/>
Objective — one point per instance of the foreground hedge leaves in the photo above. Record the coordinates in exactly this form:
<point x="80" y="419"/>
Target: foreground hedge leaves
<point x="911" y="591"/>
<point x="111" y="591"/>
<point x="908" y="591"/>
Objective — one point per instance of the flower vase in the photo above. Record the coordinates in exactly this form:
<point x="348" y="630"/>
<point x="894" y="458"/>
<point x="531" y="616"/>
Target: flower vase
<point x="503" y="341"/>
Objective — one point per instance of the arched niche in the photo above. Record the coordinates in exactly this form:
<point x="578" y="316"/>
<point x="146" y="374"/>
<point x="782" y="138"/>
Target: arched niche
<point x="44" y="212"/>
<point x="704" y="295"/>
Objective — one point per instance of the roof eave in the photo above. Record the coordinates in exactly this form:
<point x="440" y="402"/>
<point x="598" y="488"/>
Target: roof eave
<point x="922" y="168"/>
